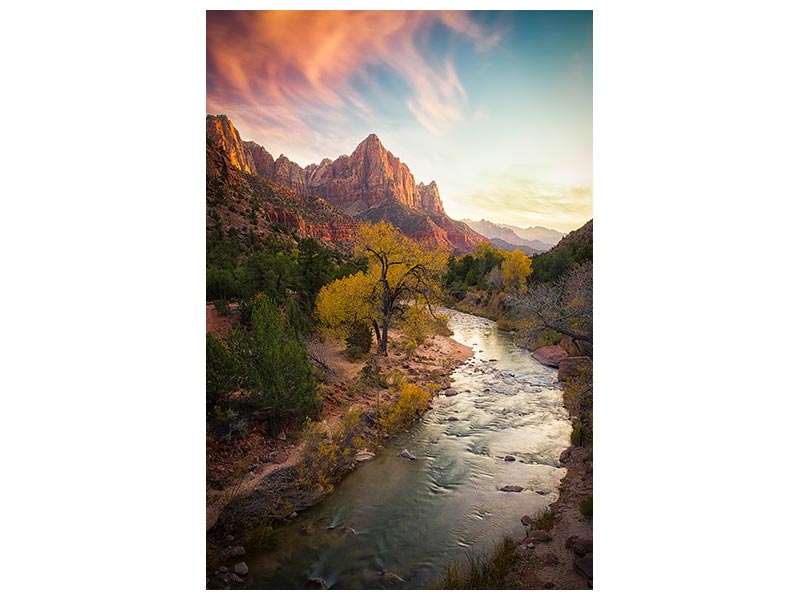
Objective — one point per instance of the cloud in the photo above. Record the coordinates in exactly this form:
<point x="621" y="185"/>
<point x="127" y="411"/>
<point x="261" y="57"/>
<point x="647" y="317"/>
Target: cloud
<point x="526" y="201"/>
<point x="283" y="72"/>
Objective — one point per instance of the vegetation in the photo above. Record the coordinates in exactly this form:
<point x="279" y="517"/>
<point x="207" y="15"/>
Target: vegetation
<point x="329" y="454"/>
<point x="400" y="274"/>
<point x="544" y="519"/>
<point x="481" y="573"/>
<point x="412" y="401"/>
<point x="586" y="507"/>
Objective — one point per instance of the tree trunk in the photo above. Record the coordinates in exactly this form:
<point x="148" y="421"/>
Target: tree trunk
<point x="385" y="337"/>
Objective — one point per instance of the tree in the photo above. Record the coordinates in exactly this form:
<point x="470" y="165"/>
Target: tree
<point x="516" y="268"/>
<point x="274" y="364"/>
<point x="564" y="306"/>
<point x="400" y="271"/>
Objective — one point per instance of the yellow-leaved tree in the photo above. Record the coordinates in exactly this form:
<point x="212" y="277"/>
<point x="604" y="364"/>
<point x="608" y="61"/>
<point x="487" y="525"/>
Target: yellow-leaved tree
<point x="515" y="270"/>
<point x="400" y="270"/>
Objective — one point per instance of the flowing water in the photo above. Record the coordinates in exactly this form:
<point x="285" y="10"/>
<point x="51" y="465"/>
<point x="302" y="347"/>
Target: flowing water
<point x="394" y="523"/>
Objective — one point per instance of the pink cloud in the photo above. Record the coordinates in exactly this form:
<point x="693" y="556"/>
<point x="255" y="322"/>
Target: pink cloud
<point x="279" y="70"/>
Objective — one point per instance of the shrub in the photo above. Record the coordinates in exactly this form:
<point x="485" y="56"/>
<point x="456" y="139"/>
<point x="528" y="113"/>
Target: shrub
<point x="273" y="360"/>
<point x="412" y="401"/>
<point x="221" y="375"/>
<point x="260" y="537"/>
<point x="359" y="340"/>
<point x="586" y="507"/>
<point x="326" y="456"/>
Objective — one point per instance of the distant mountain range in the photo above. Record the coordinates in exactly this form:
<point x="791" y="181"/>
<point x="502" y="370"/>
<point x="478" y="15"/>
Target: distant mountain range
<point x="369" y="184"/>
<point x="537" y="239"/>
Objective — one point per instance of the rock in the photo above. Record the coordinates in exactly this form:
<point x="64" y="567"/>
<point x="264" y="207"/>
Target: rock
<point x="278" y="457"/>
<point x="364" y="455"/>
<point x="579" y="546"/>
<point x="584" y="566"/>
<point x="316" y="584"/>
<point x="450" y="392"/>
<point x="293" y="515"/>
<point x="452" y="418"/>
<point x="526" y="520"/>
<point x="550" y="356"/>
<point x="539" y="535"/>
<point x="530" y="545"/>
<point x="349" y="530"/>
<point x="511" y="488"/>
<point x="228" y="538"/>
<point x="234" y="578"/>
<point x="565" y="455"/>
<point x="509" y="458"/>
<point x="223" y="569"/>
<point x="408" y="455"/>
<point x="236" y="551"/>
<point x="541" y="492"/>
<point x="240" y="569"/>
<point x="573" y="366"/>
<point x="282" y="436"/>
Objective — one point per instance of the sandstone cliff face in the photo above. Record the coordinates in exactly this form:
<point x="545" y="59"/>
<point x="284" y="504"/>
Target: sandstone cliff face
<point x="371" y="184"/>
<point x="221" y="131"/>
<point x="248" y="203"/>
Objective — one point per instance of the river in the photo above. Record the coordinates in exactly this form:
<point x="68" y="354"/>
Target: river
<point x="410" y="518"/>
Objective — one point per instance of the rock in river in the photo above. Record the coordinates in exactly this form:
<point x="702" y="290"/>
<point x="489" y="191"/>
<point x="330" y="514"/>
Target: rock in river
<point x="450" y="392"/>
<point x="364" y="455"/>
<point x="511" y="488"/>
<point x="406" y="454"/>
<point x="550" y="356"/>
<point x="509" y="458"/>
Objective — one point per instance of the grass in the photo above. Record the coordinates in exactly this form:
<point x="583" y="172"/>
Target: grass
<point x="482" y="573"/>
<point x="544" y="519"/>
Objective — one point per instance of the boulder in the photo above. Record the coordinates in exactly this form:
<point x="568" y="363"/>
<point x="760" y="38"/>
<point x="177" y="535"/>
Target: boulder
<point x="235" y="551"/>
<point x="406" y="454"/>
<point x="539" y="535"/>
<point x="234" y="578"/>
<point x="450" y="392"/>
<point x="583" y="566"/>
<point x="364" y="455"/>
<point x="278" y="457"/>
<point x="550" y="356"/>
<point x="573" y="366"/>
<point x="511" y="488"/>
<point x="240" y="569"/>
<point x="316" y="584"/>
<point x="509" y="458"/>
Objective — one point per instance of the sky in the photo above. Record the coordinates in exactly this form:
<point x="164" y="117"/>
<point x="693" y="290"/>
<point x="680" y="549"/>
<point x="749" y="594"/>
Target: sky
<point x="496" y="107"/>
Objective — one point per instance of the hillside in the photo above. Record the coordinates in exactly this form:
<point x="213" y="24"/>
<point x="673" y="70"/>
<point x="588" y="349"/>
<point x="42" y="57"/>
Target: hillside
<point x="369" y="184"/>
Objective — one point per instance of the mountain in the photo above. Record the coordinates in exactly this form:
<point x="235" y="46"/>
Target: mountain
<point x="504" y="245"/>
<point x="239" y="199"/>
<point x="583" y="236"/>
<point x="369" y="184"/>
<point x="506" y="234"/>
<point x="542" y="234"/>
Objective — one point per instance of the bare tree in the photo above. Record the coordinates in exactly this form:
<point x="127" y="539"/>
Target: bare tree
<point x="565" y="306"/>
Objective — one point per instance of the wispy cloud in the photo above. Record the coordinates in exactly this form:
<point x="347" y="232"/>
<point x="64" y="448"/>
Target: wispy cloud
<point x="282" y="72"/>
<point x="523" y="201"/>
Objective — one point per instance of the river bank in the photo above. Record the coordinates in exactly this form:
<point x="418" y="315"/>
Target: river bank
<point x="262" y="480"/>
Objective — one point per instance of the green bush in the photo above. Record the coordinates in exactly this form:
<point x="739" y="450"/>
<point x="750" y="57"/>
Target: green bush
<point x="221" y="374"/>
<point x="359" y="340"/>
<point x="273" y="361"/>
<point x="586" y="507"/>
